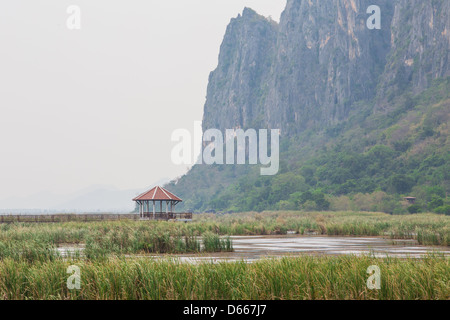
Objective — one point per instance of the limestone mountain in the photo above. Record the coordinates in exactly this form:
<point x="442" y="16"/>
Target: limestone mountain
<point x="306" y="71"/>
<point x="335" y="88"/>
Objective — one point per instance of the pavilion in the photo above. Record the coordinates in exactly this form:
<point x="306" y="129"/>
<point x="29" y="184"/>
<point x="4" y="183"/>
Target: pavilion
<point x="158" y="204"/>
<point x="410" y="200"/>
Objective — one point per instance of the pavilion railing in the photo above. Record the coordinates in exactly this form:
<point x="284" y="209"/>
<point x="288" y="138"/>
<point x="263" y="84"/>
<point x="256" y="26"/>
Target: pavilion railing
<point x="167" y="216"/>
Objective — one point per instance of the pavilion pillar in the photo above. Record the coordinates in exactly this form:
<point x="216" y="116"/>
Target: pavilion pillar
<point x="154" y="210"/>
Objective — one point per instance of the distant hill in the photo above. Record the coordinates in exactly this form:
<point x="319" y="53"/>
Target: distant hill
<point x="100" y="200"/>
<point x="364" y="114"/>
<point x="92" y="199"/>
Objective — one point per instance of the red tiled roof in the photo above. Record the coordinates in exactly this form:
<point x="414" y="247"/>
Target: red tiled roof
<point x="158" y="194"/>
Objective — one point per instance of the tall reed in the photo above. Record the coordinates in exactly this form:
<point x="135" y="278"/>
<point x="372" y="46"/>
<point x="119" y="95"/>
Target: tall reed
<point x="307" y="277"/>
<point x="212" y="242"/>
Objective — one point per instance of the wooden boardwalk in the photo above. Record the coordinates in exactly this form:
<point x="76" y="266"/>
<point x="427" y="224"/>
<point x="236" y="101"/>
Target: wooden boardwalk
<point x="53" y="218"/>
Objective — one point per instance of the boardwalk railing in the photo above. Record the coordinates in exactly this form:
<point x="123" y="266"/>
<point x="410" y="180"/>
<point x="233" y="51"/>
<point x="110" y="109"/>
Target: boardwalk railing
<point x="49" y="218"/>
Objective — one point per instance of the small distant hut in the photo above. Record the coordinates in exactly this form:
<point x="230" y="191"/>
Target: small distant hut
<point x="158" y="204"/>
<point x="410" y="200"/>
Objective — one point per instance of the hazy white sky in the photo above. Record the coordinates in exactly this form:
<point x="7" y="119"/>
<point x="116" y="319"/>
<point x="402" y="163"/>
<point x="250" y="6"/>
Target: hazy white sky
<point x="98" y="105"/>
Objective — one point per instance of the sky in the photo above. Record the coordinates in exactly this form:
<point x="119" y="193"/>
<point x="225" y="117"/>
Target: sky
<point x="97" y="105"/>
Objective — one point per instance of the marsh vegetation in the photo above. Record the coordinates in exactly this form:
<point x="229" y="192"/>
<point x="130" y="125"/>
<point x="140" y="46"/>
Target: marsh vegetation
<point x="116" y="260"/>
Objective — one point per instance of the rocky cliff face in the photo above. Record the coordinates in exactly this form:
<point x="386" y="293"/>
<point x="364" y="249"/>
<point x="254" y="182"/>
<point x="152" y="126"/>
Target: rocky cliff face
<point x="420" y="47"/>
<point x="310" y="69"/>
<point x="236" y="87"/>
<point x="327" y="58"/>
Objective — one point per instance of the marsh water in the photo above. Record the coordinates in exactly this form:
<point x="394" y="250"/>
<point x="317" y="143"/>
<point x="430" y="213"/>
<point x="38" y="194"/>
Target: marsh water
<point x="253" y="248"/>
